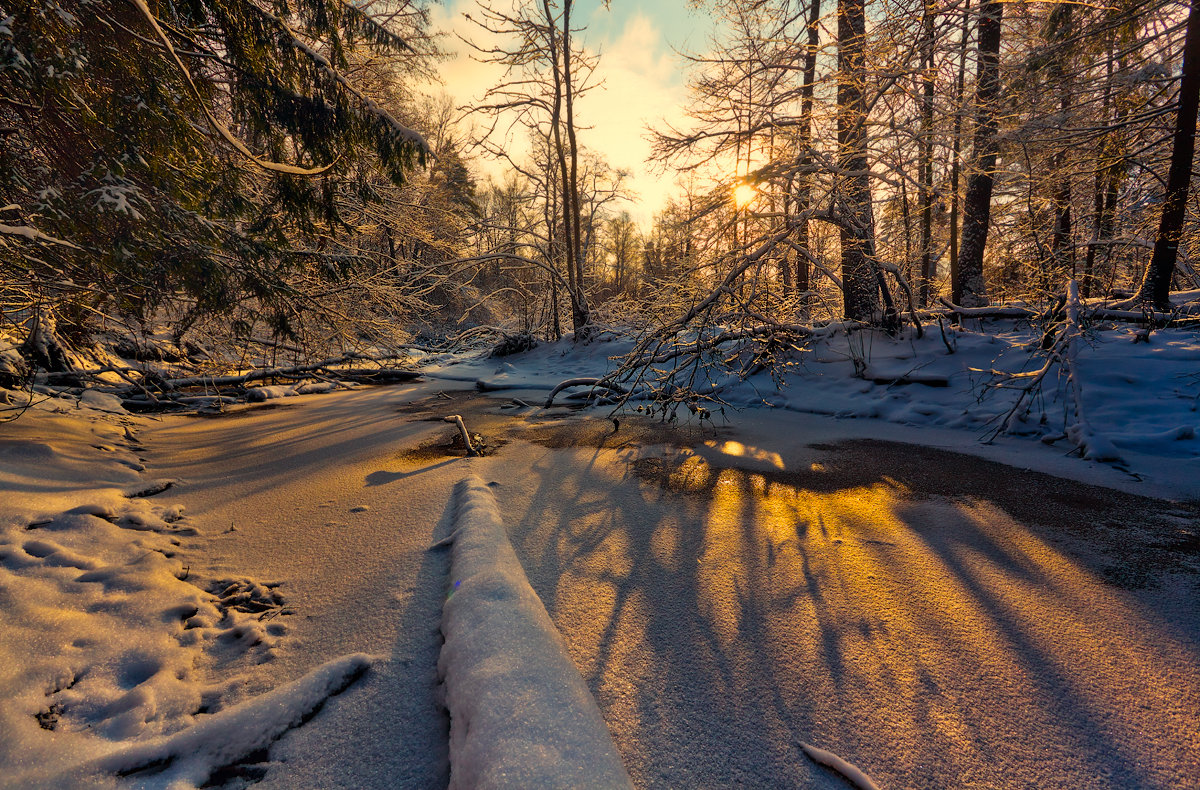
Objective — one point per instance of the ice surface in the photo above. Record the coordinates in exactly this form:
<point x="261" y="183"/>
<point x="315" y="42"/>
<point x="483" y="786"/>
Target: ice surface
<point x="1140" y="401"/>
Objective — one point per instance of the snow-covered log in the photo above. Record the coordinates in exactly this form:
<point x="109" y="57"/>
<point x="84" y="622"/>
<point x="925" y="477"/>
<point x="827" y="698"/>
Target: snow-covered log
<point x="1121" y="312"/>
<point x="520" y="714"/>
<point x="279" y="372"/>
<point x="990" y="311"/>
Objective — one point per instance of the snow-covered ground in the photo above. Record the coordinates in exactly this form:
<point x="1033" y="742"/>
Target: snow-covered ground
<point x="1142" y="397"/>
<point x="731" y="594"/>
<point x="114" y="655"/>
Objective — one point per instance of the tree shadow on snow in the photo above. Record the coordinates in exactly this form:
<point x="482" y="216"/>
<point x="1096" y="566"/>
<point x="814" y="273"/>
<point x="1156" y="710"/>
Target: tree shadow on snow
<point x="937" y="619"/>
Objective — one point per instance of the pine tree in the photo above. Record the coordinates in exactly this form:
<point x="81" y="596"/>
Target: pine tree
<point x="151" y="151"/>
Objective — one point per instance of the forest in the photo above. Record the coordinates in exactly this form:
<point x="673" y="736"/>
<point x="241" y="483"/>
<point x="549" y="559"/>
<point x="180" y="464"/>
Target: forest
<point x="295" y="178"/>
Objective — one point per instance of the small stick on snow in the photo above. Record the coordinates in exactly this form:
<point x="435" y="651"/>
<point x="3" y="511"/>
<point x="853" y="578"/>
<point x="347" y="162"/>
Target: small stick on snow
<point x="830" y="760"/>
<point x="466" y="437"/>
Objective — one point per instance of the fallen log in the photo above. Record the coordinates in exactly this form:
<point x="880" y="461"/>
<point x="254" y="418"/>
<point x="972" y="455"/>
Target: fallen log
<point x="329" y="365"/>
<point x="582" y="382"/>
<point x="374" y="375"/>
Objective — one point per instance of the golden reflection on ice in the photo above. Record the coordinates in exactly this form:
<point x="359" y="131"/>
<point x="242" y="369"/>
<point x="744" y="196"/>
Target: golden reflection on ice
<point x="739" y="450"/>
<point x="916" y="628"/>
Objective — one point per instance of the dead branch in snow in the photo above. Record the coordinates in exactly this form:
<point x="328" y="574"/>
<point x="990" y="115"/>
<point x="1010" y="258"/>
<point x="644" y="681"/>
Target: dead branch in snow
<point x="328" y="365"/>
<point x="595" y="383"/>
<point x="457" y="419"/>
<point x="1062" y="355"/>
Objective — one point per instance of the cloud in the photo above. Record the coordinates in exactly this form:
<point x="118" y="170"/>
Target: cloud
<point x="641" y="86"/>
<point x="637" y="84"/>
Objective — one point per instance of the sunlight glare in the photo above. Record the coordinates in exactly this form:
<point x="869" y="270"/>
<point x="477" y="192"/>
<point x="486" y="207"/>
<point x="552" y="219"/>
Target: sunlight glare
<point x="744" y="194"/>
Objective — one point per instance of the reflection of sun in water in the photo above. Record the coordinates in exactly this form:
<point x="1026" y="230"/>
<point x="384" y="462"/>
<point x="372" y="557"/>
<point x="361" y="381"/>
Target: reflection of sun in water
<point x="743" y="194"/>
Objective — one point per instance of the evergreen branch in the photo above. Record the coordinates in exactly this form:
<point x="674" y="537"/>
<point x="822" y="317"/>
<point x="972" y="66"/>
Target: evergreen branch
<point x="220" y="128"/>
<point x="32" y="234"/>
<point x="410" y="135"/>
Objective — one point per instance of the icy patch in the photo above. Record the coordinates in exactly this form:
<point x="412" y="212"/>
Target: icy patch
<point x="520" y="714"/>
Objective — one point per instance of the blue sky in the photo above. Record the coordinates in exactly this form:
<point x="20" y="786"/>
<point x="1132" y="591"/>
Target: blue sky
<point x="682" y="27"/>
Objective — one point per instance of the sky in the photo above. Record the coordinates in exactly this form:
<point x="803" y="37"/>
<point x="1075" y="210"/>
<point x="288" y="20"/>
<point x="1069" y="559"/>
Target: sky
<point x="642" y="82"/>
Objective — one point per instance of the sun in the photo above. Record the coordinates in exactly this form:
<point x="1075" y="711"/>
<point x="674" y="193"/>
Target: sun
<point x="744" y="194"/>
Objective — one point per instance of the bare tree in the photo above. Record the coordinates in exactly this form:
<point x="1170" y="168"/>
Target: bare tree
<point x="969" y="288"/>
<point x="1156" y="286"/>
<point x="546" y="72"/>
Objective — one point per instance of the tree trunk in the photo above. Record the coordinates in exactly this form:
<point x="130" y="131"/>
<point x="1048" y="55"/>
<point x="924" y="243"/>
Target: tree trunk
<point x="580" y="312"/>
<point x="787" y="269"/>
<point x="926" y="156"/>
<point x="1107" y="182"/>
<point x="803" y="188"/>
<point x="567" y="154"/>
<point x="969" y="287"/>
<point x="860" y="286"/>
<point x="1156" y="286"/>
<point x="960" y="87"/>
<point x="1062" y="250"/>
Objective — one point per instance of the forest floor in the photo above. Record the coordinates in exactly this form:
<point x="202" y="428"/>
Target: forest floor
<point x="938" y="619"/>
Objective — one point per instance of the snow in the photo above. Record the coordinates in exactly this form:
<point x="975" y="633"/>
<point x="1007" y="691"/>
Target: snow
<point x="820" y="564"/>
<point x="111" y="650"/>
<point x="188" y="758"/>
<point x="520" y="714"/>
<point x="102" y="401"/>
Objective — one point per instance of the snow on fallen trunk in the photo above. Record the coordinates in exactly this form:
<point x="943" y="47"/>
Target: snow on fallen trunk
<point x="520" y="714"/>
<point x="191" y="757"/>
